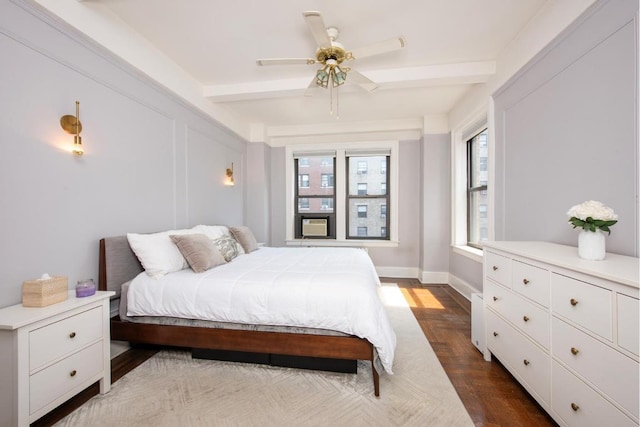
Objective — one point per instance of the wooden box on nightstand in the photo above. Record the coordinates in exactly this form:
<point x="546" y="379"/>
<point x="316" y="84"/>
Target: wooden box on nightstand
<point x="51" y="353"/>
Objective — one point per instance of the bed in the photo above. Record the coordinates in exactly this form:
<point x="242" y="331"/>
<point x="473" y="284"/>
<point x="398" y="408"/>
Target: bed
<point x="267" y="324"/>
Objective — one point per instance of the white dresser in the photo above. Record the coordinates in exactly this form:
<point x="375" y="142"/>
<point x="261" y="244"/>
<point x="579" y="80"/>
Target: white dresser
<point x="49" y="354"/>
<point x="567" y="329"/>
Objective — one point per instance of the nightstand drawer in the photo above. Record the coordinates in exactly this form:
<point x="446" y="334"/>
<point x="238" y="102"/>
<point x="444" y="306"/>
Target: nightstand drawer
<point x="607" y="369"/>
<point x="49" y="384"/>
<point x="531" y="282"/>
<point x="579" y="405"/>
<point x="584" y="304"/>
<point x="53" y="341"/>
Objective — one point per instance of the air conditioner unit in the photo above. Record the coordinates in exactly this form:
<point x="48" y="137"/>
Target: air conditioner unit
<point x="314" y="228"/>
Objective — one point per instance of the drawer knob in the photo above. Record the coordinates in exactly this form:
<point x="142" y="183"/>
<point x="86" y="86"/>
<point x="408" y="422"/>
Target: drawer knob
<point x="494" y="268"/>
<point x="526" y="362"/>
<point x="574" y="351"/>
<point x="573" y="302"/>
<point x="575" y="407"/>
<point x="72" y="373"/>
<point x="525" y="281"/>
<point x="72" y="335"/>
<point x="495" y="298"/>
<point x="495" y="334"/>
<point x="525" y="318"/>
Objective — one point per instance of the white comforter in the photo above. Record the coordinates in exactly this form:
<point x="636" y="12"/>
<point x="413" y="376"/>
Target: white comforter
<point x="326" y="288"/>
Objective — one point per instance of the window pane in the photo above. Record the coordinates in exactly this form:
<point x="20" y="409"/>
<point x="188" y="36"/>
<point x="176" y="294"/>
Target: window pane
<point x="367" y="175"/>
<point x="317" y="177"/>
<point x="478" y="161"/>
<point x="303" y="204"/>
<point x="478" y="227"/>
<point x="326" y="205"/>
<point x="367" y="213"/>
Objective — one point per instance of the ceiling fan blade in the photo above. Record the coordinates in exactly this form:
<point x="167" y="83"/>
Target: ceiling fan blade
<point x="381" y="47"/>
<point x="286" y="61"/>
<point x="317" y="27"/>
<point x="312" y="88"/>
<point x="366" y="83"/>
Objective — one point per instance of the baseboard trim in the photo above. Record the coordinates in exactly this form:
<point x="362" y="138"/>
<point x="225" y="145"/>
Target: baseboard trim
<point x="434" y="277"/>
<point x="398" y="272"/>
<point x="464" y="288"/>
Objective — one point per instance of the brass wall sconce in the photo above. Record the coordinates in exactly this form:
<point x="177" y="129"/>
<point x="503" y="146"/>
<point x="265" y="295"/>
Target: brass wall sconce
<point x="229" y="180"/>
<point x="72" y="126"/>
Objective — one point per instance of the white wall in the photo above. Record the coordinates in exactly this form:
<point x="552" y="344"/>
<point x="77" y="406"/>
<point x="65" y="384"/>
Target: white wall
<point x="152" y="161"/>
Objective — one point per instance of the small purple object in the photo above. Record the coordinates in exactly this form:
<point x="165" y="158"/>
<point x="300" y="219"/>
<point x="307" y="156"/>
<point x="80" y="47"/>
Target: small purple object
<point x="85" y="288"/>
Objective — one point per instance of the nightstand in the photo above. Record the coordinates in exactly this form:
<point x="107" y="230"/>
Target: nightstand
<point x="50" y="354"/>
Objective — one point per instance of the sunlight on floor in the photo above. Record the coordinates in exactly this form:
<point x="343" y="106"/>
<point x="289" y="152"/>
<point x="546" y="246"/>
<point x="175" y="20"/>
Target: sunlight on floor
<point x="421" y="298"/>
<point x="390" y="295"/>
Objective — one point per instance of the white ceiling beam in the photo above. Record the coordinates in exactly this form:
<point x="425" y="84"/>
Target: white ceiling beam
<point x="429" y="75"/>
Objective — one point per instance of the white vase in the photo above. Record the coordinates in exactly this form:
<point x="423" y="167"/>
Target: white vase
<point x="591" y="245"/>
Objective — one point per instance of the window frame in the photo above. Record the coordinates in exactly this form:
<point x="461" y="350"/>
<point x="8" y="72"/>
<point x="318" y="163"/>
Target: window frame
<point x="471" y="188"/>
<point x="339" y="149"/>
<point x="480" y="118"/>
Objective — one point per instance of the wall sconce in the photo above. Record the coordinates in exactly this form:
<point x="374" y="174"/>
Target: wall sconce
<point x="229" y="180"/>
<point x="72" y="125"/>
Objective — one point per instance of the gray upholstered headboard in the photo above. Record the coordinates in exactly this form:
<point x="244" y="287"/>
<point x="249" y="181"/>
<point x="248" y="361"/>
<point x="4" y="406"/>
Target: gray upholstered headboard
<point x="118" y="264"/>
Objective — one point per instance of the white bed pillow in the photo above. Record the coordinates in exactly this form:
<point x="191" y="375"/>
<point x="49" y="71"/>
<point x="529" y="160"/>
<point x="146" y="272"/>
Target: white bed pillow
<point x="212" y="231"/>
<point x="157" y="253"/>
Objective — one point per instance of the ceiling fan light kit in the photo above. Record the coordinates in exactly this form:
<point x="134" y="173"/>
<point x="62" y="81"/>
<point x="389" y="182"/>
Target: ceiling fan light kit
<point x="331" y="55"/>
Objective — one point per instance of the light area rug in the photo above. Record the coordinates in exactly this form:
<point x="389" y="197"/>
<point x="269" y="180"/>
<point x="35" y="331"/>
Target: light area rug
<point x="171" y="389"/>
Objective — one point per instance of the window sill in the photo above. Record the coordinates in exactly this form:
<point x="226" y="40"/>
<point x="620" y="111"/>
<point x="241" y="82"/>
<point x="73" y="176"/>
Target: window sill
<point x="469" y="252"/>
<point x="343" y="243"/>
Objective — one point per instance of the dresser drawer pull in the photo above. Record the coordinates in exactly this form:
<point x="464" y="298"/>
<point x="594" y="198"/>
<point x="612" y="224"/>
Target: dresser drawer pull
<point x="573" y="302"/>
<point x="72" y="335"/>
<point x="495" y="334"/>
<point x="525" y="281"/>
<point x="574" y="351"/>
<point x="525" y="318"/>
<point x="72" y="373"/>
<point x="495" y="298"/>
<point x="574" y="407"/>
<point x="526" y="362"/>
<point x="494" y="268"/>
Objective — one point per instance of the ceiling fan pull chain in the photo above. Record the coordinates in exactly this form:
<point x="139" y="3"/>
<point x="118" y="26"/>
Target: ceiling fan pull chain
<point x="337" y="102"/>
<point x="330" y="96"/>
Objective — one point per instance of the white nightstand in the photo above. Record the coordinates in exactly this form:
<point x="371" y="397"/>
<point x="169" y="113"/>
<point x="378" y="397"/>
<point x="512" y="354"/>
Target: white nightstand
<point x="49" y="354"/>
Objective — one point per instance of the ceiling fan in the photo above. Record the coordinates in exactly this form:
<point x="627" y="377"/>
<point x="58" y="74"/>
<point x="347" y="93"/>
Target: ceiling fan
<point x="331" y="54"/>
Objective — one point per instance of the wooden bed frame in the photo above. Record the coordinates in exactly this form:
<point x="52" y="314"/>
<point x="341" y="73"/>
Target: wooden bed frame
<point x="113" y="273"/>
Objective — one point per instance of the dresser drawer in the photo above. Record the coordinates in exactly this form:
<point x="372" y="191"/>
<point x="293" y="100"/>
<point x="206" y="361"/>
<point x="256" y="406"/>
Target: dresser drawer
<point x="584" y="304"/>
<point x="579" y="405"/>
<point x="607" y="369"/>
<point x="50" y="342"/>
<point x="628" y="323"/>
<point x="523" y="358"/>
<point x="53" y="382"/>
<point x="530" y="319"/>
<point x="530" y="281"/>
<point x="498" y="268"/>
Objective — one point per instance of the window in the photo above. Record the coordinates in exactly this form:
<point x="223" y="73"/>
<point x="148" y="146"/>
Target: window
<point x="368" y="196"/>
<point x="362" y="167"/>
<point x="314" y="194"/>
<point x="327" y="204"/>
<point x="477" y="179"/>
<point x="326" y="180"/>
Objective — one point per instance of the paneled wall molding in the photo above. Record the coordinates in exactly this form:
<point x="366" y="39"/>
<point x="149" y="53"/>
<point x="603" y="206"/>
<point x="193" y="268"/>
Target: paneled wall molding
<point x="100" y="51"/>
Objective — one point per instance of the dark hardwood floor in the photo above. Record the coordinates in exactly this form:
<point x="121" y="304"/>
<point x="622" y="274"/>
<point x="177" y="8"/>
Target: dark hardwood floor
<point x="489" y="393"/>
